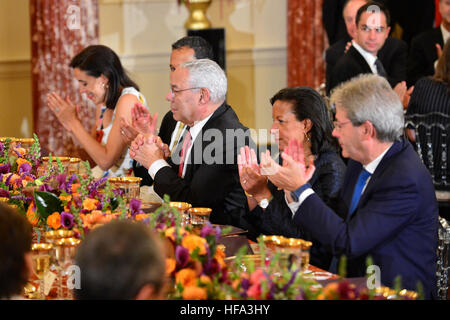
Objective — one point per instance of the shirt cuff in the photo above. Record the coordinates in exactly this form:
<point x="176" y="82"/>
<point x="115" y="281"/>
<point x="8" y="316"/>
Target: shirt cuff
<point x="302" y="197"/>
<point x="156" y="166"/>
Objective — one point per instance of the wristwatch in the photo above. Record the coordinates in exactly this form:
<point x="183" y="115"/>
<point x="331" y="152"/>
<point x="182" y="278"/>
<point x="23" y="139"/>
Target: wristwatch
<point x="264" y="203"/>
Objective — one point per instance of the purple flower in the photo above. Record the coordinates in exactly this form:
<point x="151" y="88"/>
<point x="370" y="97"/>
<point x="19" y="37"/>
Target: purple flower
<point x="67" y="220"/>
<point x="25" y="168"/>
<point x="61" y="179"/>
<point x="182" y="256"/>
<point x="4" y="193"/>
<point x="135" y="207"/>
<point x="5" y="168"/>
<point x="45" y="187"/>
<point x="207" y="230"/>
<point x="211" y="267"/>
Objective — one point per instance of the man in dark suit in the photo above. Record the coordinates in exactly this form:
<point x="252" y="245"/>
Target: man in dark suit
<point x="185" y="49"/>
<point x="202" y="170"/>
<point x="427" y="47"/>
<point x="386" y="209"/>
<point x="393" y="54"/>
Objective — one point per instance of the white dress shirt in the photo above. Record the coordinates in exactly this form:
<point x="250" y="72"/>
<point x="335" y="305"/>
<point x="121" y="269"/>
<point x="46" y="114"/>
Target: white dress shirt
<point x="194" y="130"/>
<point x="370" y="58"/>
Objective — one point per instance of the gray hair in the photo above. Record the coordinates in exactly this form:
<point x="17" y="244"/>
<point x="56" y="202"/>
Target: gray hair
<point x="205" y="73"/>
<point x="370" y="97"/>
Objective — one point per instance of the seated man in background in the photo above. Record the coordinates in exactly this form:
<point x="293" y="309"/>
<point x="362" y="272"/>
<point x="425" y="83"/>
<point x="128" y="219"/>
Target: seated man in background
<point x="16" y="265"/>
<point x="185" y="49"/>
<point x="202" y="170"/>
<point x="387" y="208"/>
<point x="121" y="260"/>
<point x="393" y="53"/>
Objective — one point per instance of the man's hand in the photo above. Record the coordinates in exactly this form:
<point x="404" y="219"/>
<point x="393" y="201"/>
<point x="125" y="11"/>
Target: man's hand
<point x="147" y="150"/>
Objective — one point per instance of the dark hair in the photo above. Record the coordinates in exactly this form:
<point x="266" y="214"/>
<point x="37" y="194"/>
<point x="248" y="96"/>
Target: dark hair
<point x="443" y="66"/>
<point x="117" y="260"/>
<point x="308" y="104"/>
<point x="367" y="6"/>
<point x="97" y="60"/>
<point x="15" y="242"/>
<point x="202" y="48"/>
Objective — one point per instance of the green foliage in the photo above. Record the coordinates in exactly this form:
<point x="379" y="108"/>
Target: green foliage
<point x="47" y="203"/>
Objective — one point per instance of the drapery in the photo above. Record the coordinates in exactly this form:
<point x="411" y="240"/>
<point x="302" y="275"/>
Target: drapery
<point x="59" y="30"/>
<point x="306" y="43"/>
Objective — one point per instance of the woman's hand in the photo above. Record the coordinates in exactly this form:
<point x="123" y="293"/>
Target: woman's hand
<point x="296" y="170"/>
<point x="250" y="177"/>
<point x="142" y="120"/>
<point x="64" y="110"/>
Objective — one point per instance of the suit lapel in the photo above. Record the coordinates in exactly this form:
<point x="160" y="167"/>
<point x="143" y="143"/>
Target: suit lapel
<point x="359" y="59"/>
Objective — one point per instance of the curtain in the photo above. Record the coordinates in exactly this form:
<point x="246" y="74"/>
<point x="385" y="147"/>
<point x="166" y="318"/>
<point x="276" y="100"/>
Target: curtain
<point x="59" y="30"/>
<point x="306" y="43"/>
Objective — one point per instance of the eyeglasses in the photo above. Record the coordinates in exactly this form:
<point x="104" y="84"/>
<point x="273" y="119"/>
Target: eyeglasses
<point x="173" y="91"/>
<point x="339" y="125"/>
<point x="366" y="29"/>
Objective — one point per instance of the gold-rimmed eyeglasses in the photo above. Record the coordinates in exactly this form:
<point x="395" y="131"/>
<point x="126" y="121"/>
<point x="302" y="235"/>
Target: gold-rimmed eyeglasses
<point x="338" y="125"/>
<point x="174" y="91"/>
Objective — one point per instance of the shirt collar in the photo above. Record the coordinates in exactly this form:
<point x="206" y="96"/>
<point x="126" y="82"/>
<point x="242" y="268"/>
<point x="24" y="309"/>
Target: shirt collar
<point x="198" y="125"/>
<point x="372" y="166"/>
<point x="445" y="33"/>
<point x="370" y="58"/>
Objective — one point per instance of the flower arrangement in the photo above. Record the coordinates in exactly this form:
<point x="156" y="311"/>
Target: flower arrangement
<point x="195" y="262"/>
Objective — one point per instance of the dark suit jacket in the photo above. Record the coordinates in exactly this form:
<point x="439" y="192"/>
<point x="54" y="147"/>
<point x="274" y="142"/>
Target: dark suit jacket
<point x="423" y="54"/>
<point x="276" y="219"/>
<point x="211" y="178"/>
<point x="395" y="221"/>
<point x="166" y="129"/>
<point x="393" y="55"/>
<point x="332" y="20"/>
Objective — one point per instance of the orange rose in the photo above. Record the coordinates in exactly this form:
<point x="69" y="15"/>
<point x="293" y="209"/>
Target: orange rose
<point x="191" y="242"/>
<point x="142" y="216"/>
<point x="75" y="187"/>
<point x="54" y="220"/>
<point x="205" y="279"/>
<point x="330" y="292"/>
<point x="32" y="215"/>
<point x="194" y="293"/>
<point x="186" y="277"/>
<point x="170" y="265"/>
<point x="90" y="204"/>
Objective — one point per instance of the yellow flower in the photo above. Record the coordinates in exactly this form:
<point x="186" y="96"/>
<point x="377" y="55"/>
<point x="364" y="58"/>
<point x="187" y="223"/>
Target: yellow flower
<point x="170" y="233"/>
<point x="90" y="204"/>
<point x="192" y="241"/>
<point x="186" y="277"/>
<point x="54" y="220"/>
<point x="65" y="198"/>
<point x="194" y="293"/>
<point x="32" y="215"/>
<point x="170" y="265"/>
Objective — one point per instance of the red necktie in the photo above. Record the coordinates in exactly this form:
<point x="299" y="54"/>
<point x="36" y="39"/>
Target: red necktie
<point x="186" y="145"/>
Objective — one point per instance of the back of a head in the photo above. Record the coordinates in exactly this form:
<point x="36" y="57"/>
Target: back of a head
<point x="308" y="104"/>
<point x="202" y="48"/>
<point x="205" y="73"/>
<point x="117" y="260"/>
<point x="370" y="97"/>
<point x="15" y="242"/>
<point x="443" y="66"/>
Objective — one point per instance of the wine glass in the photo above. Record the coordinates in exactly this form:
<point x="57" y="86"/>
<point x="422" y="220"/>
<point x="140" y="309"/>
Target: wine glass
<point x="41" y="263"/>
<point x="65" y="249"/>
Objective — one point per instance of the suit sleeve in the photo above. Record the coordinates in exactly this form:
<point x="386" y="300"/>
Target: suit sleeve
<point x="387" y="210"/>
<point x="398" y="64"/>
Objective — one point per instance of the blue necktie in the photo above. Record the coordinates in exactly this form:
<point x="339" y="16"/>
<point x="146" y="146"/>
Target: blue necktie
<point x="363" y="176"/>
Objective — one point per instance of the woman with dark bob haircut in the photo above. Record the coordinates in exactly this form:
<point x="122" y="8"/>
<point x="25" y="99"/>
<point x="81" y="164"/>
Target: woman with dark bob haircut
<point x="103" y="79"/>
<point x="298" y="113"/>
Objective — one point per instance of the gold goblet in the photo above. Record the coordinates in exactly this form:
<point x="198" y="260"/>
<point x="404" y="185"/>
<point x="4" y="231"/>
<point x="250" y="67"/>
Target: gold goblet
<point x="129" y="185"/>
<point x="41" y="263"/>
<point x="183" y="208"/>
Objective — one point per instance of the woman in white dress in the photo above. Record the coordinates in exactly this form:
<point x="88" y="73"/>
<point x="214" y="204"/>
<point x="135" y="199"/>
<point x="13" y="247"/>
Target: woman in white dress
<point x="103" y="79"/>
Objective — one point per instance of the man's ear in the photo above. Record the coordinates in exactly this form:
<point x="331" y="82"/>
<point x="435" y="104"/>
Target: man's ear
<point x="204" y="95"/>
<point x="368" y="129"/>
